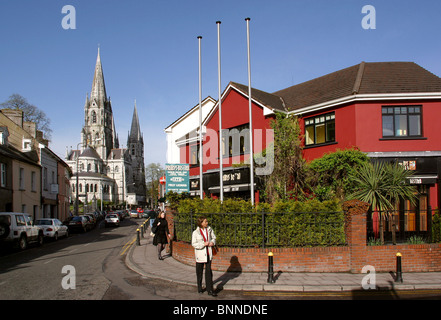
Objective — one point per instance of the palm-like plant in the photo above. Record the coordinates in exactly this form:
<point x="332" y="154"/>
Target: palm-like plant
<point x="382" y="185"/>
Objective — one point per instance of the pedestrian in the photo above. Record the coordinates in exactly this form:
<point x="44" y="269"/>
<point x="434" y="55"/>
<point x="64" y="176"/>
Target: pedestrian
<point x="203" y="240"/>
<point x="161" y="234"/>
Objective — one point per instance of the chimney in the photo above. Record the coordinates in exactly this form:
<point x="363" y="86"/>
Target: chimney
<point x="15" y="115"/>
<point x="31" y="128"/>
<point x="40" y="138"/>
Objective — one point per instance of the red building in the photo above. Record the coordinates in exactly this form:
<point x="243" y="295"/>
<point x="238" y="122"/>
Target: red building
<point x="389" y="110"/>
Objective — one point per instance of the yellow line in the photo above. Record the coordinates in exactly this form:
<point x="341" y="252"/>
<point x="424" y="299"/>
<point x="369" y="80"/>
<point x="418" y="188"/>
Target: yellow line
<point x="128" y="245"/>
<point x="344" y="293"/>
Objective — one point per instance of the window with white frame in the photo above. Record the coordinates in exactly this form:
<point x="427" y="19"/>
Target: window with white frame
<point x="27" y="145"/>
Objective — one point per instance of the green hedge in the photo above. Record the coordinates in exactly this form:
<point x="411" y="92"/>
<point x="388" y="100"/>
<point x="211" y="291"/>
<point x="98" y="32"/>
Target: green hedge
<point x="284" y="224"/>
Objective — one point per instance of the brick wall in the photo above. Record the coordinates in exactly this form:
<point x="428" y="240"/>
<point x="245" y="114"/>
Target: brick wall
<point x="350" y="258"/>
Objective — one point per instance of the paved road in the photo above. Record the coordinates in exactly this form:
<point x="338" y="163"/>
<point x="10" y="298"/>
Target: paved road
<point x="37" y="273"/>
<point x="98" y="259"/>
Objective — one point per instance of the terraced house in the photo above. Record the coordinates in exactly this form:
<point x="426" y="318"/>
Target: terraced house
<point x="34" y="179"/>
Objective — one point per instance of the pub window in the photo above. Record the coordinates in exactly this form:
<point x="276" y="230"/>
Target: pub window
<point x="194" y="154"/>
<point x="402" y="121"/>
<point x="236" y="141"/>
<point x="320" y="129"/>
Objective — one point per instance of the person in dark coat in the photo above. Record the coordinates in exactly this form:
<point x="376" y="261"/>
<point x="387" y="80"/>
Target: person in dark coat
<point x="162" y="234"/>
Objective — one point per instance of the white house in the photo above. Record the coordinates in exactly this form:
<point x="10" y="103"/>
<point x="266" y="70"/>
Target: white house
<point x="186" y="124"/>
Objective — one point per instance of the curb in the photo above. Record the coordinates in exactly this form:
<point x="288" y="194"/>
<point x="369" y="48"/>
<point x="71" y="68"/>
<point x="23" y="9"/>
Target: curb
<point x="134" y="267"/>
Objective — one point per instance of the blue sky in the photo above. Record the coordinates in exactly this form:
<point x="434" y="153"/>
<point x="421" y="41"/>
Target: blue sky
<point x="149" y="52"/>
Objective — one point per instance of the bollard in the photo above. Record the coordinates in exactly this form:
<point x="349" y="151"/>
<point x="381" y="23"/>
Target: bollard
<point x="142" y="231"/>
<point x="270" y="268"/>
<point x="399" y="277"/>
<point x="138" y="240"/>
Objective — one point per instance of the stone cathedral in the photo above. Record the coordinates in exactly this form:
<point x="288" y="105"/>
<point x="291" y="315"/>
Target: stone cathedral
<point x="106" y="171"/>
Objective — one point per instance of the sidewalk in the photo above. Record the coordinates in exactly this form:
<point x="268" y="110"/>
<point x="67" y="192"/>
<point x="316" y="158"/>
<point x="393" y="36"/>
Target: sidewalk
<point x="144" y="260"/>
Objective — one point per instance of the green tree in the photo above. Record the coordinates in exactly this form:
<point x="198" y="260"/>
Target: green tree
<point x="153" y="171"/>
<point x="382" y="185"/>
<point x="330" y="174"/>
<point x="289" y="175"/>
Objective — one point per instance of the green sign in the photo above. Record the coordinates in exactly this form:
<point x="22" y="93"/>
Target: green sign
<point x="177" y="177"/>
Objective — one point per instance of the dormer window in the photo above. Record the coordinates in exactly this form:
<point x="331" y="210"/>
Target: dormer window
<point x="27" y="145"/>
<point x="4" y="134"/>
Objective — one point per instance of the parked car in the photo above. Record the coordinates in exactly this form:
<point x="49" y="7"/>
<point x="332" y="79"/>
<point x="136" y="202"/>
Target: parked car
<point x="18" y="229"/>
<point x="120" y="214"/>
<point x="79" y="223"/>
<point x="90" y="223"/>
<point x="52" y="228"/>
<point x="92" y="219"/>
<point x="134" y="214"/>
<point x="111" y="219"/>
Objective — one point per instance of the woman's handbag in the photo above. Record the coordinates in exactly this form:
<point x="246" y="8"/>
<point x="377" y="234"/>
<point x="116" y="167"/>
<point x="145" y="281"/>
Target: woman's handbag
<point x="154" y="229"/>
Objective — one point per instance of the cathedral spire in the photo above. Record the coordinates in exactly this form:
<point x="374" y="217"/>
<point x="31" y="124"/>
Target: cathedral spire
<point x="98" y="87"/>
<point x="135" y="131"/>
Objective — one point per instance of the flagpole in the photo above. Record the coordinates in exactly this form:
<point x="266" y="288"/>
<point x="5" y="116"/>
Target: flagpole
<point x="201" y="189"/>
<point x="221" y="183"/>
<point x="251" y="114"/>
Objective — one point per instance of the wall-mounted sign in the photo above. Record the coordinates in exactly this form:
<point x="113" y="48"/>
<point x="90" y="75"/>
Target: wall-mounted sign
<point x="408" y="165"/>
<point x="415" y="181"/>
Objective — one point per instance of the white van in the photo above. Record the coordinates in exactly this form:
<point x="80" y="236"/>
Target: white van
<point x="18" y="229"/>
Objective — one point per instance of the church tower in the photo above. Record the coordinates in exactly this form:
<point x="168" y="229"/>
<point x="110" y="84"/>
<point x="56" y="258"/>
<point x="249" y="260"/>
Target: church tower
<point x="101" y="168"/>
<point x="135" y="150"/>
<point x="99" y="129"/>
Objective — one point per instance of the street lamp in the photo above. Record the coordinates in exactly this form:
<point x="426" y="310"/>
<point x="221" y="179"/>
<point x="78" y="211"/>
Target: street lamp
<point x="78" y="174"/>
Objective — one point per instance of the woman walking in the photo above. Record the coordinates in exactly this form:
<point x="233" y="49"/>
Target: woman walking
<point x="161" y="234"/>
<point x="203" y="240"/>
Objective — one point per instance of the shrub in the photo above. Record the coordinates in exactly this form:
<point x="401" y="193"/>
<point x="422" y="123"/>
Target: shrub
<point x="285" y="224"/>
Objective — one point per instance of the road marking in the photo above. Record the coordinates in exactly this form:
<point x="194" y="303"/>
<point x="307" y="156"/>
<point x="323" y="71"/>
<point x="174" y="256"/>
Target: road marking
<point x="128" y="245"/>
<point x="49" y="261"/>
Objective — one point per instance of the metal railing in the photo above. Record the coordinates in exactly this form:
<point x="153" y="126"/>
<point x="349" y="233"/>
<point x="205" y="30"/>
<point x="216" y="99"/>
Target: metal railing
<point x="262" y="230"/>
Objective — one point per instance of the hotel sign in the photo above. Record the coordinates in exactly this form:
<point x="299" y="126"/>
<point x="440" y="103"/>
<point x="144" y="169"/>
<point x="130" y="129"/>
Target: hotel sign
<point x="177" y="177"/>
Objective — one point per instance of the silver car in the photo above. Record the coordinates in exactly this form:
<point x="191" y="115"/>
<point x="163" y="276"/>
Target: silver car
<point x="111" y="219"/>
<point x="52" y="228"/>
